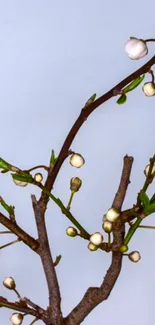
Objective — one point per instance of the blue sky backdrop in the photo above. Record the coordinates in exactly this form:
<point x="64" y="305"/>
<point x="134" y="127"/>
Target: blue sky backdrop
<point x="53" y="56"/>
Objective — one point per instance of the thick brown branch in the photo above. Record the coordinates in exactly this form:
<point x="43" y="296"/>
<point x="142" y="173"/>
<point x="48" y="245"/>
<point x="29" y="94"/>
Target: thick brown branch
<point x="95" y="296"/>
<point x="20" y="233"/>
<point x="86" y="111"/>
<point x="48" y="266"/>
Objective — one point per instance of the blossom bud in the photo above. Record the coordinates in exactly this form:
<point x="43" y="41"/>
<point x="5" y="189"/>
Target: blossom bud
<point x="96" y="239"/>
<point x="149" y="89"/>
<point x="134" y="256"/>
<point x="146" y="171"/>
<point x="20" y="183"/>
<point x="107" y="226"/>
<point x="16" y="318"/>
<point x="136" y="49"/>
<point x="75" y="184"/>
<point x="9" y="283"/>
<point x="112" y="215"/>
<point x="38" y="177"/>
<point x="76" y="160"/>
<point x="92" y="247"/>
<point x="72" y="232"/>
<point x="123" y="248"/>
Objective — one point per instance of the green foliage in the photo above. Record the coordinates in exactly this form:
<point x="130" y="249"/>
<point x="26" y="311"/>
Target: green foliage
<point x="122" y="99"/>
<point x="53" y="159"/>
<point x="134" y="84"/>
<point x="23" y="177"/>
<point x="4" y="165"/>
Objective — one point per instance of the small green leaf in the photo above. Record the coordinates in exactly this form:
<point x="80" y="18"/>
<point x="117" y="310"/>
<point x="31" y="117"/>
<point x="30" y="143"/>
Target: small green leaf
<point x="132" y="37"/>
<point x="4" y="165"/>
<point x="144" y="199"/>
<point x="122" y="99"/>
<point x="134" y="84"/>
<point x="53" y="159"/>
<point x="150" y="209"/>
<point x="8" y="208"/>
<point x="152" y="200"/>
<point x="23" y="177"/>
<point x="90" y="100"/>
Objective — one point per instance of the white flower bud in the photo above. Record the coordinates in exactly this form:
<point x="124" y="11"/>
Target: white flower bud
<point x="75" y="184"/>
<point x="96" y="239"/>
<point x="149" y="89"/>
<point x="16" y="319"/>
<point x="72" y="232"/>
<point x="146" y="171"/>
<point x="38" y="177"/>
<point x="76" y="160"/>
<point x="20" y="183"/>
<point x="136" y="49"/>
<point x="107" y="226"/>
<point x="134" y="256"/>
<point x="9" y="283"/>
<point x="92" y="247"/>
<point x="112" y="215"/>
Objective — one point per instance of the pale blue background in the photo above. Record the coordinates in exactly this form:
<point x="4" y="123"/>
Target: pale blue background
<point x="53" y="56"/>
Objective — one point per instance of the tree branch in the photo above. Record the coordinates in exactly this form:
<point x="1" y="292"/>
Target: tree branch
<point x="19" y="306"/>
<point x="48" y="265"/>
<point x="95" y="296"/>
<point x="19" y="232"/>
<point x="85" y="112"/>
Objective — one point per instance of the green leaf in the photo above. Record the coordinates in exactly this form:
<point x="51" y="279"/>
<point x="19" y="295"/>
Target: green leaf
<point x="122" y="99"/>
<point x="152" y="200"/>
<point x="150" y="209"/>
<point x="90" y="100"/>
<point x="53" y="159"/>
<point x="8" y="208"/>
<point x="4" y="165"/>
<point x="23" y="177"/>
<point x="144" y="199"/>
<point x="132" y="37"/>
<point x="134" y="84"/>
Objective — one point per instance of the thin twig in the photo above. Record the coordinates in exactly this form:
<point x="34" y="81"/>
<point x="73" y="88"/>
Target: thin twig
<point x="95" y="296"/>
<point x="17" y="306"/>
<point x="86" y="111"/>
<point x="19" y="232"/>
<point x="48" y="265"/>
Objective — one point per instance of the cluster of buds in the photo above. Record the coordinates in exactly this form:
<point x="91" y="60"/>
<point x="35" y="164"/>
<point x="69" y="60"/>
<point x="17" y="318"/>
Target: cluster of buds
<point x="137" y="49"/>
<point x="76" y="160"/>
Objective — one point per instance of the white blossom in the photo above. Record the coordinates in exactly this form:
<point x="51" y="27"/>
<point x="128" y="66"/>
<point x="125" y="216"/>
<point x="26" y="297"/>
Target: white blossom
<point x="149" y="89"/>
<point x="16" y="319"/>
<point x="134" y="256"/>
<point x="96" y="238"/>
<point x="112" y="215"/>
<point x="76" y="160"/>
<point x="136" y="49"/>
